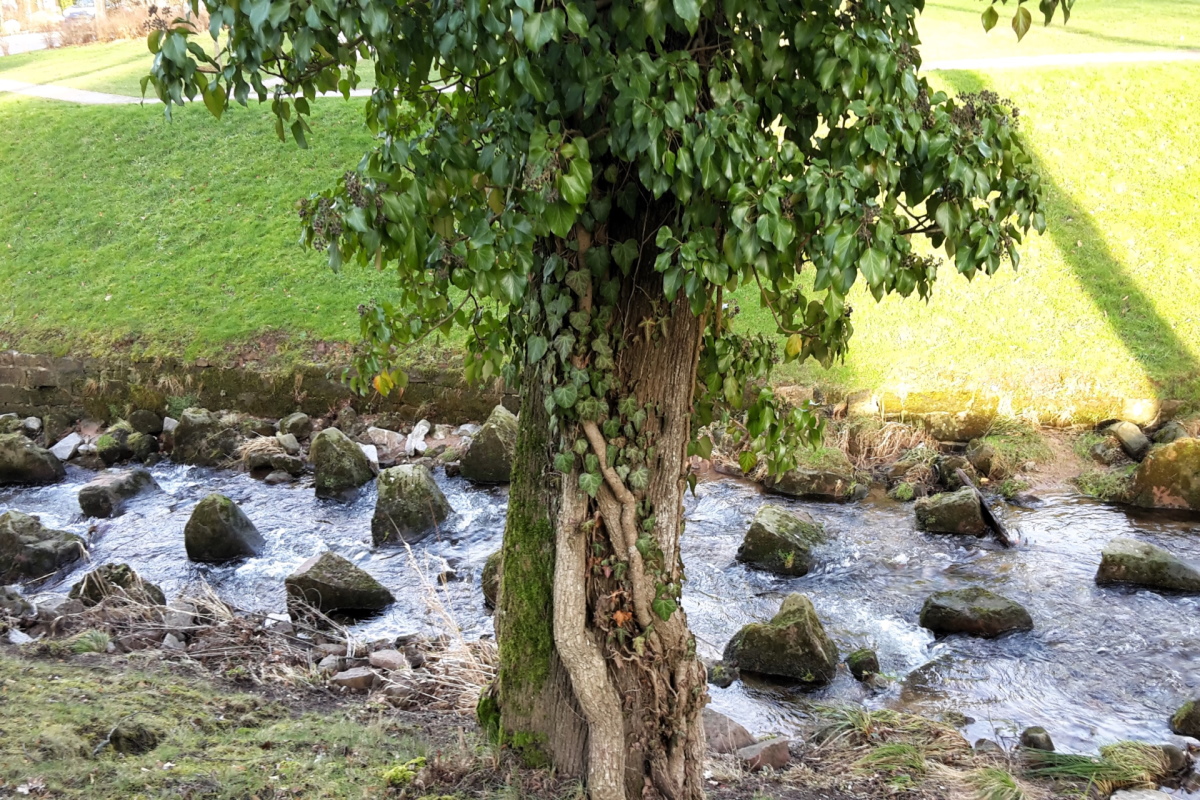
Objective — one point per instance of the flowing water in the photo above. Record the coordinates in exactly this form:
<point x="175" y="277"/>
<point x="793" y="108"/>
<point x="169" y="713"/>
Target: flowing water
<point x="1102" y="664"/>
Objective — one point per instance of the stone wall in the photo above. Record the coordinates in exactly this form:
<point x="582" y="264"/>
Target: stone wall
<point x="105" y="388"/>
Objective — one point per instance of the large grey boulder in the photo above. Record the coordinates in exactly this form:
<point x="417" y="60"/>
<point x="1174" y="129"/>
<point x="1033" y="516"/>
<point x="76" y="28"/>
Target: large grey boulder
<point x="1126" y="560"/>
<point x="781" y="542"/>
<point x="1169" y="477"/>
<point x="22" y="461"/>
<point x="837" y="486"/>
<point x="489" y="458"/>
<point x="951" y="512"/>
<point x="409" y="507"/>
<point x="115" y="579"/>
<point x="1133" y="441"/>
<point x="28" y="549"/>
<point x="340" y="464"/>
<point x="105" y="494"/>
<point x="146" y="421"/>
<point x="792" y="645"/>
<point x="204" y="438"/>
<point x="219" y="531"/>
<point x="974" y="611"/>
<point x="331" y="583"/>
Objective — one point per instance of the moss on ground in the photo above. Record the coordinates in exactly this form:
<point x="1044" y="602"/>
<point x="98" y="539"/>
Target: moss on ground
<point x="1015" y="444"/>
<point x="56" y="721"/>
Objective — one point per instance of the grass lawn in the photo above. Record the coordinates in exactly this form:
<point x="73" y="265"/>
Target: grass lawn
<point x="211" y="742"/>
<point x="119" y="229"/>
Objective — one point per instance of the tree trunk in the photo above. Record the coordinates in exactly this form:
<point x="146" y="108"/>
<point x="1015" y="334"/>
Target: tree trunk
<point x="590" y="670"/>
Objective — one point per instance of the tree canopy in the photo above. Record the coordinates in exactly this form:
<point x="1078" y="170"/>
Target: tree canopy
<point x="580" y="185"/>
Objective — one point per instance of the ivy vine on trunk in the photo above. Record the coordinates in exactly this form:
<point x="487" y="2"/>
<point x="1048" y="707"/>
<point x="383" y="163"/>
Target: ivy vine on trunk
<point x="581" y="186"/>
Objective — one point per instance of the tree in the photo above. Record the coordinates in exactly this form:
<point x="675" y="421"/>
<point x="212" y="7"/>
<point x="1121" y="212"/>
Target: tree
<point x="581" y="185"/>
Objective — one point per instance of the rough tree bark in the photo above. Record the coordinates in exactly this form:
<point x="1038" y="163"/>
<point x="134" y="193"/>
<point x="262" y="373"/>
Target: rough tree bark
<point x="623" y="715"/>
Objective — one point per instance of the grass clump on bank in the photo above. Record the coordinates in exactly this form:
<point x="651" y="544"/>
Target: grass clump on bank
<point x="65" y="728"/>
<point x="1109" y="485"/>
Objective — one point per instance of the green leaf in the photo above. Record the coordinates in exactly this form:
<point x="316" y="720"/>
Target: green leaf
<point x="154" y="41"/>
<point x="566" y="396"/>
<point x="564" y="462"/>
<point x="689" y="12"/>
<point x="664" y="607"/>
<point x="214" y="100"/>
<point x="990" y="18"/>
<point x="590" y="482"/>
<point x="576" y="183"/>
<point x="747" y="460"/>
<point x="873" y="266"/>
<point x="1022" y="21"/>
<point x="536" y="347"/>
<point x="560" y="217"/>
<point x="576" y="20"/>
<point x="877" y="137"/>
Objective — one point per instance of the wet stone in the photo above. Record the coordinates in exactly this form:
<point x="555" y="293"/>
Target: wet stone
<point x="722" y="734"/>
<point x="1036" y="738"/>
<point x="219" y="531"/>
<point x="975" y="611"/>
<point x="773" y="753"/>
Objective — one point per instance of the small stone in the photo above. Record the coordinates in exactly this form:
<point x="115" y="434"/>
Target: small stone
<point x="722" y="734"/>
<point x="1171" y="432"/>
<point x="951" y="512"/>
<point x="863" y="663"/>
<point x="330" y="664"/>
<point x="13" y="604"/>
<point x="133" y="737"/>
<point x="490" y="579"/>
<point x="122" y="580"/>
<point x="279" y="477"/>
<point x="1133" y="441"/>
<point x="67" y="446"/>
<point x="289" y="443"/>
<point x="170" y="424"/>
<point x="372" y="454"/>
<point x="330" y="649"/>
<point x="17" y="637"/>
<point x="331" y="583"/>
<point x="1036" y="738"/>
<point x="31" y="427"/>
<point x="988" y="747"/>
<point x="172" y="642"/>
<point x="292" y="465"/>
<point x="391" y="660"/>
<point x="414" y="444"/>
<point x="1139" y="794"/>
<point x="145" y="421"/>
<point x="721" y="674"/>
<point x="771" y="753"/>
<point x="52" y="606"/>
<point x="105" y="495"/>
<point x="489" y="458"/>
<point x="358" y="679"/>
<point x="297" y="424"/>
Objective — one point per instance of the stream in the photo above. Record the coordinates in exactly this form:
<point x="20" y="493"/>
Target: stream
<point x="1102" y="664"/>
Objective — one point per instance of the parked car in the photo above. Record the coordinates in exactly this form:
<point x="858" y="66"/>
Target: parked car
<point x="83" y="9"/>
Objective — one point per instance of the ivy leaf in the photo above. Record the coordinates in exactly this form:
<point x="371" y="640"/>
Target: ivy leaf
<point x="640" y="478"/>
<point x="560" y="217"/>
<point x="748" y="460"/>
<point x="536" y="348"/>
<point x="664" y="607"/>
<point x="590" y="482"/>
<point x="576" y="183"/>
<point x="877" y="138"/>
<point x="689" y="12"/>
<point x="564" y="462"/>
<point x="566" y="396"/>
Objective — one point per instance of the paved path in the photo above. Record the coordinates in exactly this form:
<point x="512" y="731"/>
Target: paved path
<point x="85" y="97"/>
<point x="1064" y="60"/>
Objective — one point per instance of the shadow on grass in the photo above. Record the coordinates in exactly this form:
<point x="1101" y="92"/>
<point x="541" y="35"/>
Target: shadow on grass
<point x="1146" y="335"/>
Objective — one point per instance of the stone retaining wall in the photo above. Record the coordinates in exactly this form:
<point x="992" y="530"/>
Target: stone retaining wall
<point x="44" y="385"/>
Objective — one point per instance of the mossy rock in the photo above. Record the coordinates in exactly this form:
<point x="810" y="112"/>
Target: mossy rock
<point x="409" y="507"/>
<point x="29" y="550"/>
<point x="951" y="512"/>
<point x="204" y="439"/>
<point x="1186" y="721"/>
<point x="331" y="584"/>
<point x="1169" y="477"/>
<point x="829" y="485"/>
<point x="297" y="424"/>
<point x="863" y="663"/>
<point x="340" y="465"/>
<point x="489" y="458"/>
<point x="141" y="446"/>
<point x="105" y="494"/>
<point x="116" y="579"/>
<point x="219" y="531"/>
<point x="792" y="645"/>
<point x="904" y="491"/>
<point x="781" y="542"/>
<point x="1129" y="561"/>
<point x="23" y="462"/>
<point x="146" y="421"/>
<point x="974" y="611"/>
<point x="134" y="737"/>
<point x="492" y="569"/>
<point x="947" y="467"/>
<point x="1171" y="432"/>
